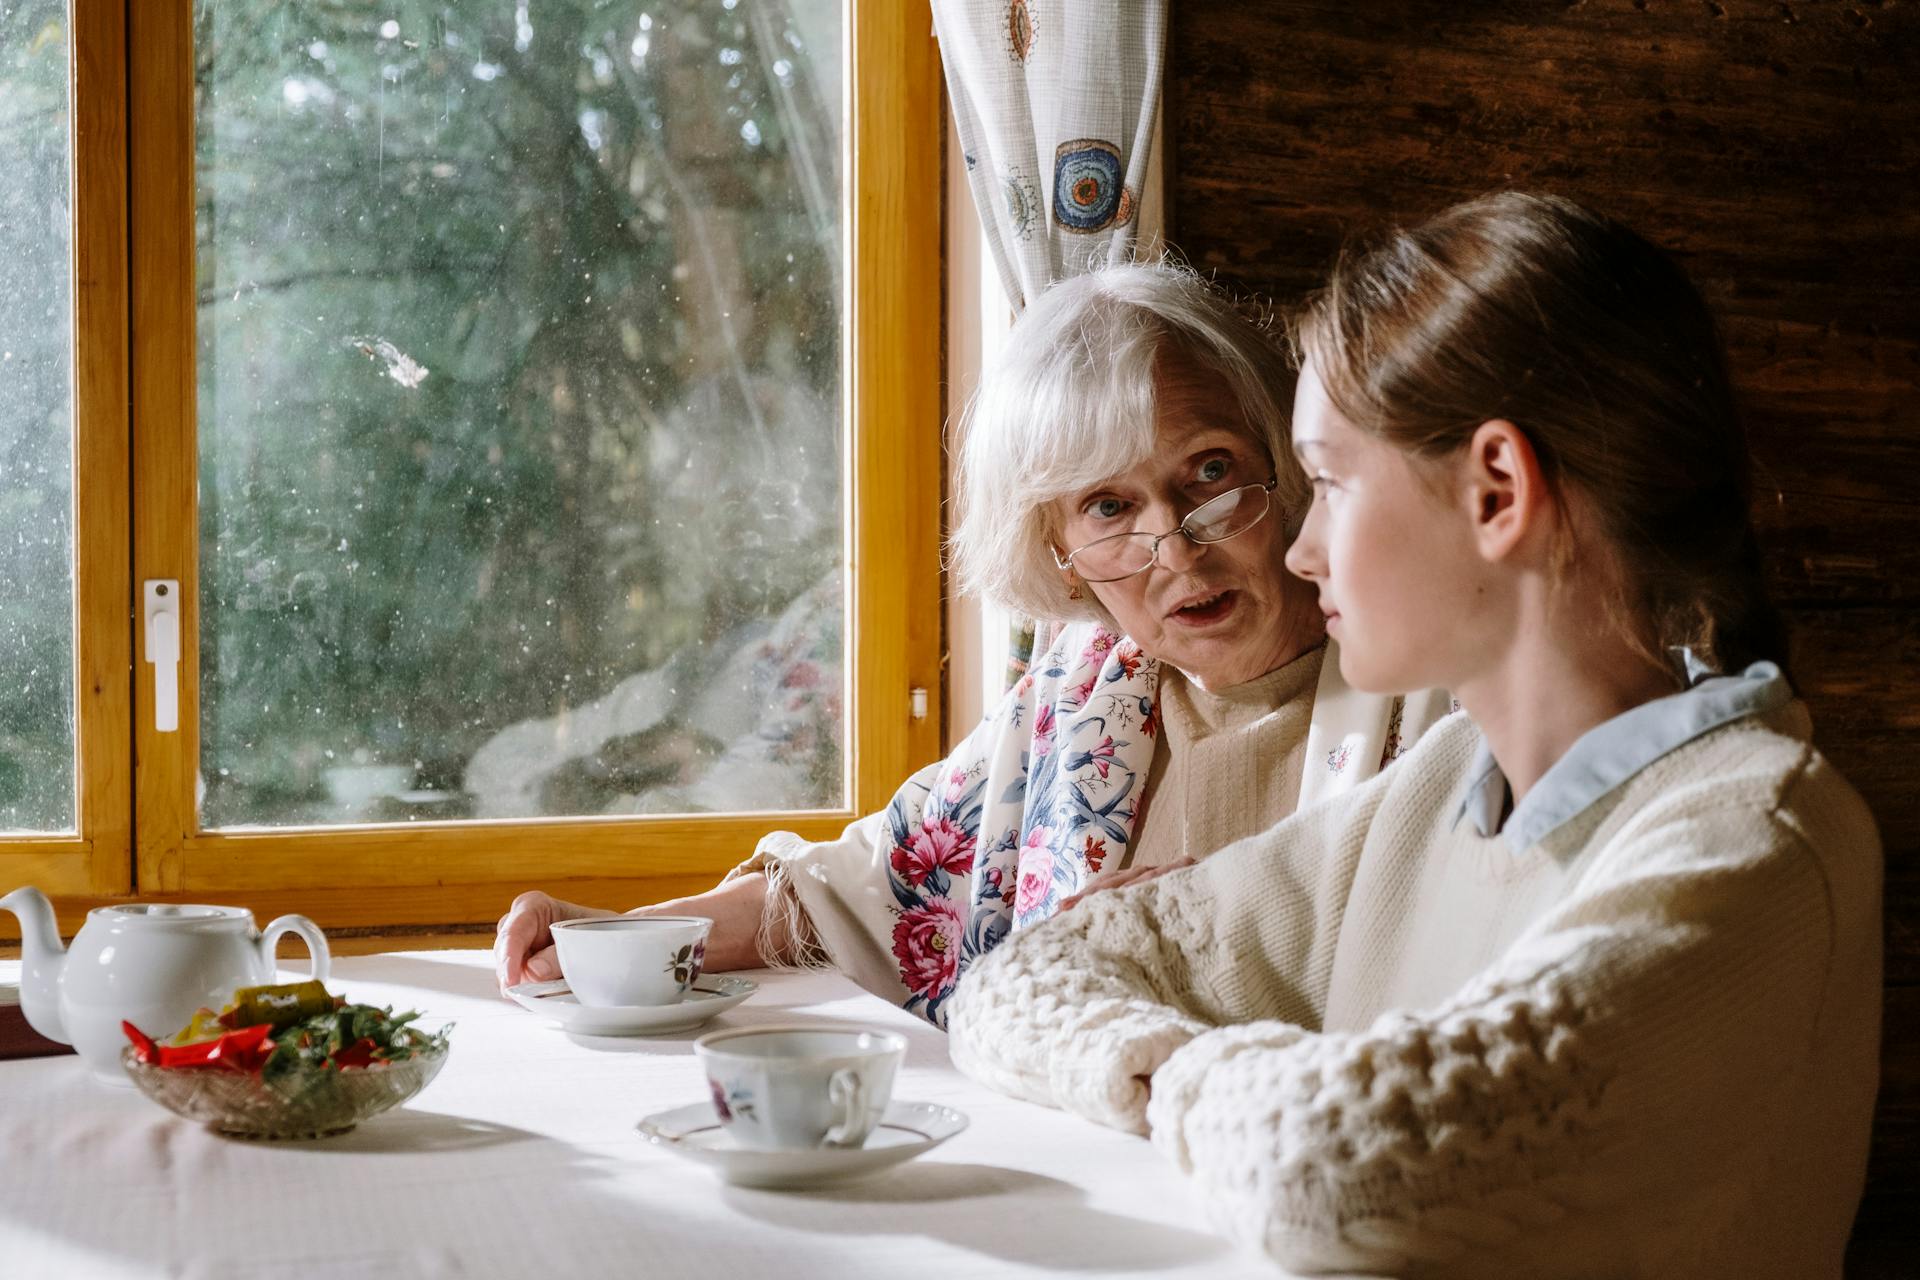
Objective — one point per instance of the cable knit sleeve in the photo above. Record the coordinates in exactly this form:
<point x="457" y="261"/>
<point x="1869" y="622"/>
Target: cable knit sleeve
<point x="1632" y="1040"/>
<point x="1059" y="1015"/>
<point x="1079" y="1012"/>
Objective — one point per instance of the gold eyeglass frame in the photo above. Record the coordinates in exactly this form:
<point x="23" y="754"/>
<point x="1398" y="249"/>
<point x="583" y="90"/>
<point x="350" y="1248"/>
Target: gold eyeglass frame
<point x="1153" y="550"/>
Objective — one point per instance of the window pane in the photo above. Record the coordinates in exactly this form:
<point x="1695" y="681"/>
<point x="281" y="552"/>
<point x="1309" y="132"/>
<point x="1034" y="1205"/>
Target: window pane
<point x="520" y="408"/>
<point x="36" y="422"/>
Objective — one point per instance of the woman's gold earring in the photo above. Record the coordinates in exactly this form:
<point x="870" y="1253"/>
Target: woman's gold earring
<point x="1073" y="588"/>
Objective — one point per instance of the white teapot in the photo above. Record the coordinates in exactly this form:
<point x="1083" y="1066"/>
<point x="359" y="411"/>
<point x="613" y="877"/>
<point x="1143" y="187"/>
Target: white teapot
<point x="151" y="964"/>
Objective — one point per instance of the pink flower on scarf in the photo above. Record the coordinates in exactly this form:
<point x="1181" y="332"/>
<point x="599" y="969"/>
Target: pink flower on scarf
<point x="1036" y="872"/>
<point x="926" y="943"/>
<point x="1044" y="724"/>
<point x="937" y="846"/>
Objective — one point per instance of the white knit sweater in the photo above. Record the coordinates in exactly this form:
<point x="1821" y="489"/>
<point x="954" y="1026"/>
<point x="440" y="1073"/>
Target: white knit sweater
<point x="1646" y="1045"/>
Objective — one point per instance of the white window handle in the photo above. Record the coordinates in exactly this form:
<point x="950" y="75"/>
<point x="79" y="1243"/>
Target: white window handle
<point x="162" y="615"/>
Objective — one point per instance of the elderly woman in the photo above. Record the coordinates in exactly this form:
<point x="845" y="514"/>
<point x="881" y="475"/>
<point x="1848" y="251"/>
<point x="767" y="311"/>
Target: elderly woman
<point x="1125" y="471"/>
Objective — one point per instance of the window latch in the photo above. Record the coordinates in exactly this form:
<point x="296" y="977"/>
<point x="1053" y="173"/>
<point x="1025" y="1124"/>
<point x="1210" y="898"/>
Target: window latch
<point x="162" y="616"/>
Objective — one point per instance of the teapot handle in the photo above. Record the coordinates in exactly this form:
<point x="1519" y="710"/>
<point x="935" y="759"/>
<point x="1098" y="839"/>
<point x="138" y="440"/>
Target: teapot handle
<point x="309" y="932"/>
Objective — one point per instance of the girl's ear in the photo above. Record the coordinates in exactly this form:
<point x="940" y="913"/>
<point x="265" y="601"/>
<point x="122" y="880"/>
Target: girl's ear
<point x="1506" y="489"/>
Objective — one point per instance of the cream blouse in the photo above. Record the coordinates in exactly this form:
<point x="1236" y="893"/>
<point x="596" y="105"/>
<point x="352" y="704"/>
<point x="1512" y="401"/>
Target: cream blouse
<point x="1228" y="762"/>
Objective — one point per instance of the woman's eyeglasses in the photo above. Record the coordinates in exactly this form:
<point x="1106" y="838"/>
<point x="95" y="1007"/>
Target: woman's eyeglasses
<point x="1121" y="555"/>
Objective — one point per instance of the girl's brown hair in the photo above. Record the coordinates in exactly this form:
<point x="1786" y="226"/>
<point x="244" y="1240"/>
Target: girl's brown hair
<point x="1592" y="341"/>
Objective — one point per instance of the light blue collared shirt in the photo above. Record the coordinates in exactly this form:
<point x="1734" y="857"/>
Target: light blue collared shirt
<point x="1610" y="753"/>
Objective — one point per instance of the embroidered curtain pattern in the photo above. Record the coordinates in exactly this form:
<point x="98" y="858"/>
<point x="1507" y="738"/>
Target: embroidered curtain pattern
<point x="1054" y="103"/>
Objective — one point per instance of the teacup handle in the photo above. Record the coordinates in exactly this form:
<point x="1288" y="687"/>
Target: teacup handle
<point x="845" y="1091"/>
<point x="309" y="933"/>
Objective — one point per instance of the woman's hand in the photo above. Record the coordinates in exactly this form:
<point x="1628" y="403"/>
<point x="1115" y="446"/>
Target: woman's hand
<point x="523" y="940"/>
<point x="1121" y="879"/>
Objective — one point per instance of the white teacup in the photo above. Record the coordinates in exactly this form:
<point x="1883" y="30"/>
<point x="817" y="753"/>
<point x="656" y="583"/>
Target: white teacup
<point x="628" y="961"/>
<point x="797" y="1088"/>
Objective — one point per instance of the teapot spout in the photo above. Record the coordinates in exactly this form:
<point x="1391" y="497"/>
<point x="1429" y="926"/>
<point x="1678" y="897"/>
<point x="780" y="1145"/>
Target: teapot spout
<point x="41" y="960"/>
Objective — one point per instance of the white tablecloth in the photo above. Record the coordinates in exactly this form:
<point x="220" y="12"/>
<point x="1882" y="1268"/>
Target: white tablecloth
<point x="521" y="1159"/>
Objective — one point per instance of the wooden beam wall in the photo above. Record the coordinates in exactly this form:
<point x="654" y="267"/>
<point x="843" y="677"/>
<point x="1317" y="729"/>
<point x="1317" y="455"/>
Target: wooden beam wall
<point x="1774" y="147"/>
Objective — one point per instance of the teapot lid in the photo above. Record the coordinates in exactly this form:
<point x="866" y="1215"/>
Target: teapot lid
<point x="175" y="915"/>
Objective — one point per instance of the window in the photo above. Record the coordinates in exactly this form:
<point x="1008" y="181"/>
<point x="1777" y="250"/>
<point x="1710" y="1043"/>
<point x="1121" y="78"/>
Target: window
<point x="537" y="408"/>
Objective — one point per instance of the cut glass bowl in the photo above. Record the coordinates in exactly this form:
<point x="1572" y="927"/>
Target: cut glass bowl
<point x="245" y="1106"/>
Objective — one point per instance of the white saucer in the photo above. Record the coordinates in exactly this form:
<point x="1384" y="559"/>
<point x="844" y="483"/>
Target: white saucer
<point x="710" y="994"/>
<point x="906" y="1130"/>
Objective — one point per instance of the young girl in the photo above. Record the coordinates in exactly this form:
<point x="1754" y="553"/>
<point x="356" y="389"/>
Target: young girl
<point x="1589" y="984"/>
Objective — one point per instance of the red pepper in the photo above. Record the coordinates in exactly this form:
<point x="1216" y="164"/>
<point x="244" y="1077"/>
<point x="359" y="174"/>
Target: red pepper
<point x="357" y="1054"/>
<point x="245" y="1050"/>
<point x="143" y="1046"/>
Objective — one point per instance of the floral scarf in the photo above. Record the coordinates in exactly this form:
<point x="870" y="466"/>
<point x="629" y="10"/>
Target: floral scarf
<point x="1036" y="801"/>
<point x="1008" y="830"/>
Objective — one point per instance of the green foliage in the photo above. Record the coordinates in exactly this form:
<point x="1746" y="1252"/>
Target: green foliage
<point x="301" y="1057"/>
<point x="519" y="370"/>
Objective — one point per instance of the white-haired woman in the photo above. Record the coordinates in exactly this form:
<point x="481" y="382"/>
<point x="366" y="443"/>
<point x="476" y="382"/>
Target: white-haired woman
<point x="1125" y="471"/>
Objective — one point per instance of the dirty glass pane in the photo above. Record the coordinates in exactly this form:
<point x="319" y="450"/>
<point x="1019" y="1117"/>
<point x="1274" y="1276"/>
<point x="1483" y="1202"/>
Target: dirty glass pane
<point x="519" y="408"/>
<point x="36" y="422"/>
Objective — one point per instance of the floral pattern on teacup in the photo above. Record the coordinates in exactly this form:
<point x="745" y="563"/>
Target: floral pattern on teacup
<point x="731" y="1100"/>
<point x="685" y="965"/>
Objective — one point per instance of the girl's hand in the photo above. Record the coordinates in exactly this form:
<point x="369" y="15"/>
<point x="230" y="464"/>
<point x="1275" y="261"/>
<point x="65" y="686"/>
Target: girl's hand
<point x="1121" y="879"/>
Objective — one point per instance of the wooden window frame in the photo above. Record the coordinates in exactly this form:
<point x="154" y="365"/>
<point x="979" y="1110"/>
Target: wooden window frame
<point x="135" y="196"/>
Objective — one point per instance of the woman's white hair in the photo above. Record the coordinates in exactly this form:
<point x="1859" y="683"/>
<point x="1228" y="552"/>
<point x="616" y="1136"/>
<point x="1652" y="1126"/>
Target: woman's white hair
<point x="1070" y="402"/>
